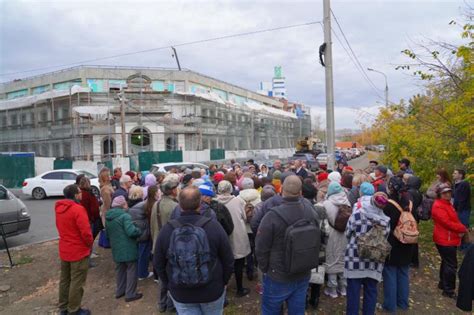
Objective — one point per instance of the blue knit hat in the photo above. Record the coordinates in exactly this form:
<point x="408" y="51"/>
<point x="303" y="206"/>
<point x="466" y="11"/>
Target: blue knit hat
<point x="334" y="188"/>
<point x="367" y="189"/>
<point x="206" y="191"/>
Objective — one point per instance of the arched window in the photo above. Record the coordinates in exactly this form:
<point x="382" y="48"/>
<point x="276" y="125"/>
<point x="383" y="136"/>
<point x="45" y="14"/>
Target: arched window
<point x="108" y="146"/>
<point x="171" y="144"/>
<point x="140" y="137"/>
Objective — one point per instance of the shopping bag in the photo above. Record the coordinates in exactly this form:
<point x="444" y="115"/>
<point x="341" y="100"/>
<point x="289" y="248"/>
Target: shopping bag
<point x="104" y="239"/>
<point x="317" y="275"/>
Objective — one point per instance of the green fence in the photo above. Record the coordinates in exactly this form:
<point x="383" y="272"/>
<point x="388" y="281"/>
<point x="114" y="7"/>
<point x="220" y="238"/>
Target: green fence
<point x="62" y="164"/>
<point x="147" y="159"/>
<point x="14" y="169"/>
<point x="217" y="154"/>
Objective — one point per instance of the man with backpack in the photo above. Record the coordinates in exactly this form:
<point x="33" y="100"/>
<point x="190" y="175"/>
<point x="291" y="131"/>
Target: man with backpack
<point x="287" y="248"/>
<point x="193" y="256"/>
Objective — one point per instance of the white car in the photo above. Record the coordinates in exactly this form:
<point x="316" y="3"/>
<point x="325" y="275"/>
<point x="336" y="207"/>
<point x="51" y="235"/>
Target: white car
<point x="166" y="167"/>
<point x="52" y="183"/>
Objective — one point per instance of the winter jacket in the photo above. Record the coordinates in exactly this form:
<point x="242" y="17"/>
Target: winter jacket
<point x="239" y="240"/>
<point x="462" y="196"/>
<point x="90" y="203"/>
<point x="252" y="196"/>
<point x="115" y="182"/>
<point x="447" y="227"/>
<point x="466" y="282"/>
<point x="74" y="229"/>
<point x="167" y="205"/>
<point x="401" y="254"/>
<point x="223" y="216"/>
<point x="360" y="222"/>
<point x="432" y="190"/>
<point x="302" y="173"/>
<point x="263" y="209"/>
<point x="220" y="251"/>
<point x="122" y="235"/>
<point x="106" y="192"/>
<point x="270" y="239"/>
<point x="380" y="185"/>
<point x="277" y="184"/>
<point x="337" y="241"/>
<point x="140" y="220"/>
<point x="322" y="190"/>
<point x="414" y="185"/>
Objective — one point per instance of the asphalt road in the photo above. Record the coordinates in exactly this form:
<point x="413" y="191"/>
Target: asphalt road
<point x="43" y="225"/>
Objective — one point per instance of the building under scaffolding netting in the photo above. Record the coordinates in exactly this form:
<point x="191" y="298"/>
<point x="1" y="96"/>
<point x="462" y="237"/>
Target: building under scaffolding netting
<point x="79" y="113"/>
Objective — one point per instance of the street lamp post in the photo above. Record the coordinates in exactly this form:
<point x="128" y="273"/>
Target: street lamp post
<point x="386" y="84"/>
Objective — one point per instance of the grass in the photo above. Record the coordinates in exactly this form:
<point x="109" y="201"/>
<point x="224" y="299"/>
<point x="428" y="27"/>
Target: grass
<point x="23" y="260"/>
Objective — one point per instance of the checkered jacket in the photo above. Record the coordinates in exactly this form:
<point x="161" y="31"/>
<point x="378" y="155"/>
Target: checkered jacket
<point x="360" y="222"/>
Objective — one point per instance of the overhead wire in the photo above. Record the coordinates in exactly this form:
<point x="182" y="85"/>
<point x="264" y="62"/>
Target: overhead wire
<point x="354" y="57"/>
<point x="165" y="47"/>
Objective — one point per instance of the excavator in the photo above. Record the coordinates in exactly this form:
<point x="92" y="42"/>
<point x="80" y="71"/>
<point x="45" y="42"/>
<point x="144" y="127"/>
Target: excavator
<point x="310" y="145"/>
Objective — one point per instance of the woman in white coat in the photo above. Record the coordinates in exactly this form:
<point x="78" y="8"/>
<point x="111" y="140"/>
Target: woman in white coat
<point x="337" y="242"/>
<point x="239" y="240"/>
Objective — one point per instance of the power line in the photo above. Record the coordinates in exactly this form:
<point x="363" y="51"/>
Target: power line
<point x="167" y="47"/>
<point x="364" y="73"/>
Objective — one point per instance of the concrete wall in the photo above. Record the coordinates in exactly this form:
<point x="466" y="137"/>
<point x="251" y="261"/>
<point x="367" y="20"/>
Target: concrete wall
<point x="197" y="156"/>
<point x="259" y="154"/>
<point x="43" y="164"/>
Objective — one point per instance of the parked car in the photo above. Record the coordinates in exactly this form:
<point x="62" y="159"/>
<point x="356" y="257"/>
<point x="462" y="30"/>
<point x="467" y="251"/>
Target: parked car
<point x="322" y="159"/>
<point x="356" y="152"/>
<point x="166" y="167"/>
<point x="52" y="183"/>
<point x="14" y="216"/>
<point x="311" y="162"/>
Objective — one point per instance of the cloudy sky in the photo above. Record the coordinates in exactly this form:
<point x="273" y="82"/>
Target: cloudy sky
<point x="40" y="34"/>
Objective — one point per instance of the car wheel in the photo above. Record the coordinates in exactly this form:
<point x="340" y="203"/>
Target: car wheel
<point x="38" y="193"/>
<point x="95" y="191"/>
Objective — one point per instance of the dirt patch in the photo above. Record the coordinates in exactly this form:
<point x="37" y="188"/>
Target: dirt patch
<point x="34" y="287"/>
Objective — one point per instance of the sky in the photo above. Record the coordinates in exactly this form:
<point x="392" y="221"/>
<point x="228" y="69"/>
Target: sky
<point x="62" y="33"/>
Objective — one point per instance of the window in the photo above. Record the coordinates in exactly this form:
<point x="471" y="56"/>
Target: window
<point x="14" y="120"/>
<point x="3" y="194"/>
<point x="44" y="116"/>
<point x="32" y="117"/>
<point x="4" y="121"/>
<point x="69" y="176"/>
<point x="53" y="175"/>
<point x="108" y="146"/>
<point x="140" y="137"/>
<point x="65" y="113"/>
<point x="23" y="119"/>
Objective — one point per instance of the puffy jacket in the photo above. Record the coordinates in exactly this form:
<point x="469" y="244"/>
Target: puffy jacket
<point x="122" y="235"/>
<point x="139" y="218"/>
<point x="75" y="235"/>
<point x="447" y="226"/>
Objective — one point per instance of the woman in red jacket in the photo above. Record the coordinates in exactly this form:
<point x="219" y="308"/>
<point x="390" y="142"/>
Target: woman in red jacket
<point x="447" y="234"/>
<point x="90" y="202"/>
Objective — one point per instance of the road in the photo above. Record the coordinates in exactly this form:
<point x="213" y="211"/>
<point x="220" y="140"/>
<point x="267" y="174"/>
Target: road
<point x="43" y="225"/>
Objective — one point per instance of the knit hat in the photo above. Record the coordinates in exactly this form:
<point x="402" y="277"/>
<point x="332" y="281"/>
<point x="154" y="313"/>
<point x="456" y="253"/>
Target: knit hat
<point x="131" y="174"/>
<point x="276" y="174"/>
<point x="367" y="189"/>
<point x="219" y="176"/>
<point x="247" y="183"/>
<point x="442" y="188"/>
<point x="382" y="169"/>
<point x="187" y="178"/>
<point x="322" y="176"/>
<point x="380" y="199"/>
<point x="118" y="202"/>
<point x="334" y="188"/>
<point x="348" y="169"/>
<point x="207" y="191"/>
<point x="268" y="191"/>
<point x="309" y="191"/>
<point x="224" y="187"/>
<point x="334" y="177"/>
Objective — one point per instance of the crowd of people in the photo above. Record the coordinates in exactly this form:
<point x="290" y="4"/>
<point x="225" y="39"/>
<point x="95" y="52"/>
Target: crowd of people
<point x="290" y="230"/>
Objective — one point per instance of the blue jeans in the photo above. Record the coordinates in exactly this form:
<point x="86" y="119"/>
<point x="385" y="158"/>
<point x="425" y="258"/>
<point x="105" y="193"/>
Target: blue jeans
<point x="396" y="288"/>
<point x="275" y="293"/>
<point x="353" y="296"/>
<point x="144" y="251"/>
<point x="212" y="308"/>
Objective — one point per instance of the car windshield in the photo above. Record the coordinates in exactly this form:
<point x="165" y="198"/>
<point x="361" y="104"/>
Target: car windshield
<point x="86" y="174"/>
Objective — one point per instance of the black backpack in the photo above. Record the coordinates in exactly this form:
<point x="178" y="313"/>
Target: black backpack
<point x="302" y="242"/>
<point x="223" y="216"/>
<point x="189" y="254"/>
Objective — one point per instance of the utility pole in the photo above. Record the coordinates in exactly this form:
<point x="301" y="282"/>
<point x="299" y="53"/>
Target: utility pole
<point x="122" y="118"/>
<point x="330" y="132"/>
<point x="175" y="55"/>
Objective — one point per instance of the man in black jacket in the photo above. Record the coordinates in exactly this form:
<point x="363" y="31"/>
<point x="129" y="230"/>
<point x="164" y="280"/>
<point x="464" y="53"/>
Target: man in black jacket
<point x="208" y="298"/>
<point x="462" y="198"/>
<point x="279" y="285"/>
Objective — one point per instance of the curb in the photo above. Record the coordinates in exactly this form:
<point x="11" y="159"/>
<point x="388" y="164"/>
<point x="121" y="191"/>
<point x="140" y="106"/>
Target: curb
<point x="25" y="246"/>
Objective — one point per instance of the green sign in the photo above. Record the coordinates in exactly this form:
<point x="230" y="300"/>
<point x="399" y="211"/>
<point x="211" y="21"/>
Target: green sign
<point x="277" y="72"/>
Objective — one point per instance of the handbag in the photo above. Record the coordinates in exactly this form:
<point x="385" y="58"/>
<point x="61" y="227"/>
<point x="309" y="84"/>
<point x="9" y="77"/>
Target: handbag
<point x="317" y="275"/>
<point x="104" y="239"/>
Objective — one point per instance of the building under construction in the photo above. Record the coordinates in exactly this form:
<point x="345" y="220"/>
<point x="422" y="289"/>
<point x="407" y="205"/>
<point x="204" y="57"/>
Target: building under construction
<point x="92" y="112"/>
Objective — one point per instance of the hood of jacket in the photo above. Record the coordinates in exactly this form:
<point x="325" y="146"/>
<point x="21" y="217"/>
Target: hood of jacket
<point x="225" y="198"/>
<point x="339" y="199"/>
<point x="372" y="212"/>
<point x="250" y="195"/>
<point x="150" y="180"/>
<point x="414" y="182"/>
<point x="114" y="213"/>
<point x="64" y="205"/>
